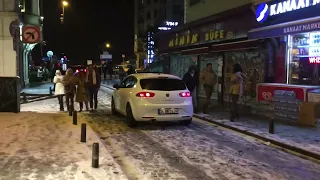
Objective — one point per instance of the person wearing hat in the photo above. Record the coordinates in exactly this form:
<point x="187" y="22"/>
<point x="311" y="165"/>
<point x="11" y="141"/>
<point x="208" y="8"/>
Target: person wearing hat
<point x="59" y="88"/>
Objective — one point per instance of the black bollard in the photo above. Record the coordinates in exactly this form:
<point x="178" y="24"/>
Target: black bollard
<point x="83" y="132"/>
<point x="75" y="118"/>
<point x="24" y="97"/>
<point x="70" y="111"/>
<point x="50" y="91"/>
<point x="271" y="126"/>
<point x="95" y="155"/>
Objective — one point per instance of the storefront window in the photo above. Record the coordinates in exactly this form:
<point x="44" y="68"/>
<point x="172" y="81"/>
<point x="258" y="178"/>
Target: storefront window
<point x="303" y="58"/>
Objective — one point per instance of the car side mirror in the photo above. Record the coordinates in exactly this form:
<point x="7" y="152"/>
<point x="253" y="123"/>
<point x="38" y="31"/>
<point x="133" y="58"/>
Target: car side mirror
<point x="116" y="86"/>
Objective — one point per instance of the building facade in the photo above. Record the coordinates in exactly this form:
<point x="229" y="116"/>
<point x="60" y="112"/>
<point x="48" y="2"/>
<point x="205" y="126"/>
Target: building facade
<point x="198" y="9"/>
<point x="148" y="16"/>
<point x="220" y="39"/>
<point x="14" y="54"/>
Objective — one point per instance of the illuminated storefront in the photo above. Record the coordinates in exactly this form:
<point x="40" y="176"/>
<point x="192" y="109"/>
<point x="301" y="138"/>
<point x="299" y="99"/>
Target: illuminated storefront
<point x="294" y="24"/>
<point x="222" y="40"/>
<point x="294" y="28"/>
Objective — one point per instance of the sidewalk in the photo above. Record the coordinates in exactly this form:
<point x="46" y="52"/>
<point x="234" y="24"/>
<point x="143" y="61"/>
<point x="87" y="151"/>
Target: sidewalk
<point x="305" y="138"/>
<point x="47" y="146"/>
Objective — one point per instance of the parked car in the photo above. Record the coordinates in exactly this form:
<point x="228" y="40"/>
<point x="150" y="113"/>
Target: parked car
<point x="152" y="97"/>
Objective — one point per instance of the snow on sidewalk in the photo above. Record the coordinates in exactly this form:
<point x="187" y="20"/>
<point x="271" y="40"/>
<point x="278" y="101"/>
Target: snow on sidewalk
<point x="301" y="137"/>
<point x="47" y="146"/>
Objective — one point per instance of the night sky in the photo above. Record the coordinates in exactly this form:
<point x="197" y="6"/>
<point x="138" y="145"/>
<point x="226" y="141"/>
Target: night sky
<point x="87" y="27"/>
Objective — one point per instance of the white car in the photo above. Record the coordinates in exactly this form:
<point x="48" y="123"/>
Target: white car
<point x="152" y="97"/>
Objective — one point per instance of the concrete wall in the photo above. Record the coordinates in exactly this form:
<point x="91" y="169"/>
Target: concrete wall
<point x="206" y="8"/>
<point x="8" y="60"/>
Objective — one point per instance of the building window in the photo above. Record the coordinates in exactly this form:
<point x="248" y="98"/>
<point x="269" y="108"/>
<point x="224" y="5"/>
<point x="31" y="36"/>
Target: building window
<point x="155" y="13"/>
<point x="148" y="15"/>
<point x="193" y="2"/>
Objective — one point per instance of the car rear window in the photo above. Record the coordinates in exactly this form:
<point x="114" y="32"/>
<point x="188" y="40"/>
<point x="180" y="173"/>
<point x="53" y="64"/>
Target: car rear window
<point x="162" y="84"/>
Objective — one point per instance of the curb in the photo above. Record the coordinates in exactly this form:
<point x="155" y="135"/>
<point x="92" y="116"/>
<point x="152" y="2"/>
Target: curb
<point x="277" y="143"/>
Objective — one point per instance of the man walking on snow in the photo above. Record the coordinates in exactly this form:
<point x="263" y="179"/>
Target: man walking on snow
<point x="93" y="82"/>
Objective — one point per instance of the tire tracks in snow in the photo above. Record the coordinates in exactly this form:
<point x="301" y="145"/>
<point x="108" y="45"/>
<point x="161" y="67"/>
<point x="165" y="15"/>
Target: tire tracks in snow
<point x="139" y="155"/>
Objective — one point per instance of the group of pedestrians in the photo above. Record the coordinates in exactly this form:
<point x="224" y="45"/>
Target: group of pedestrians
<point x="82" y="88"/>
<point x="208" y="79"/>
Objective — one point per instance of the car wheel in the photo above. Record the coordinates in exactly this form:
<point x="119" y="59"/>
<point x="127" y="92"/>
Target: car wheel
<point x="130" y="119"/>
<point x="187" y="122"/>
<point x="113" y="107"/>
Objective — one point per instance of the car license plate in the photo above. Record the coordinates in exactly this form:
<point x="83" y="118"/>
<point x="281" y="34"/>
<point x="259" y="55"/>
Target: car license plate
<point x="168" y="111"/>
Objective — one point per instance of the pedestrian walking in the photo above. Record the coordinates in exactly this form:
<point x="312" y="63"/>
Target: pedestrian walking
<point x="82" y="94"/>
<point x="69" y="82"/>
<point x="236" y="90"/>
<point x="208" y="79"/>
<point x="191" y="81"/>
<point x="59" y="88"/>
<point x="94" y="81"/>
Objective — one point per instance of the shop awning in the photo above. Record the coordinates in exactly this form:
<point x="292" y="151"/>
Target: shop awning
<point x="195" y="51"/>
<point x="234" y="46"/>
<point x="293" y="27"/>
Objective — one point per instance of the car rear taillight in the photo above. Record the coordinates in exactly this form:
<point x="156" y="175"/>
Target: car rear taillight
<point x="185" y="94"/>
<point x="145" y="94"/>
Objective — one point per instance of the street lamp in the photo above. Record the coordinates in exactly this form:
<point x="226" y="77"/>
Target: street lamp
<point x="64" y="4"/>
<point x="107" y="45"/>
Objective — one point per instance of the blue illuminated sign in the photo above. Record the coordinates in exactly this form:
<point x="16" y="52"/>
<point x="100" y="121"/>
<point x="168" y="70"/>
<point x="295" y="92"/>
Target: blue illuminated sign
<point x="262" y="12"/>
<point x="276" y="8"/>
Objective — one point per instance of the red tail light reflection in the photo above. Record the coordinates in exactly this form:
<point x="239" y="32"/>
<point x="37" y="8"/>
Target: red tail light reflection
<point x="145" y="94"/>
<point x="185" y="94"/>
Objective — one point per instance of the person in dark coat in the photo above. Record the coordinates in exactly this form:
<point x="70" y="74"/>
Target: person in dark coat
<point x="93" y="83"/>
<point x="191" y="81"/>
<point x="130" y="70"/>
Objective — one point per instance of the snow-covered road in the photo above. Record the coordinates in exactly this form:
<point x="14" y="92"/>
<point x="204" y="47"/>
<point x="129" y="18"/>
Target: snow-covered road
<point x="198" y="152"/>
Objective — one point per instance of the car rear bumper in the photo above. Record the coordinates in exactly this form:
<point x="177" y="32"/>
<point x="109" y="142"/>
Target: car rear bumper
<point x="149" y="112"/>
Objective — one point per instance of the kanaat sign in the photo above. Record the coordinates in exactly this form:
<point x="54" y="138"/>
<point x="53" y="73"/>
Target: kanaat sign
<point x="197" y="38"/>
<point x="265" y="10"/>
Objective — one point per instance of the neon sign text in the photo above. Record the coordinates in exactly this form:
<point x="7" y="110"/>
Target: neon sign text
<point x="291" y="5"/>
<point x="314" y="60"/>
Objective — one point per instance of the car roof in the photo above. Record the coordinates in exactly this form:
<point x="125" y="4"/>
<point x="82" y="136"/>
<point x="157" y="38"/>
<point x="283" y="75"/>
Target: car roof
<point x="154" y="75"/>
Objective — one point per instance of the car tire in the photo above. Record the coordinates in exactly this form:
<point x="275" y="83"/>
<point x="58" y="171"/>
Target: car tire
<point x="187" y="122"/>
<point x="130" y="119"/>
<point x="113" y="107"/>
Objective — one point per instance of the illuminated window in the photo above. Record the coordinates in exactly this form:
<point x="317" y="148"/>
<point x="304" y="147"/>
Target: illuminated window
<point x="303" y="58"/>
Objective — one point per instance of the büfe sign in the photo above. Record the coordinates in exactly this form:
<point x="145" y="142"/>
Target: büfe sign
<point x="265" y="91"/>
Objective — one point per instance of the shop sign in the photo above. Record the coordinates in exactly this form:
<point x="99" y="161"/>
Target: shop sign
<point x="314" y="60"/>
<point x="265" y="92"/>
<point x="264" y="10"/>
<point x="195" y="38"/>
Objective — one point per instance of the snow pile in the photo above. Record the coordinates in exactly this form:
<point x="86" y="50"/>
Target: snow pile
<point x="47" y="146"/>
<point x="301" y="137"/>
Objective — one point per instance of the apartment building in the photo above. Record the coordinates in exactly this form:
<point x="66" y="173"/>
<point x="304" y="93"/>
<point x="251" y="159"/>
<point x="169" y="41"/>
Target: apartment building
<point x="148" y="15"/>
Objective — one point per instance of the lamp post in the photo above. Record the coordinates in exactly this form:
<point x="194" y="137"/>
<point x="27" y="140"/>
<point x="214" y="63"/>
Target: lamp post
<point x="64" y="4"/>
<point x="108" y="45"/>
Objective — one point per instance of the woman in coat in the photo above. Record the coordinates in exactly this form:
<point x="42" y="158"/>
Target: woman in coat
<point x="69" y="82"/>
<point x="59" y="88"/>
<point x="82" y="93"/>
